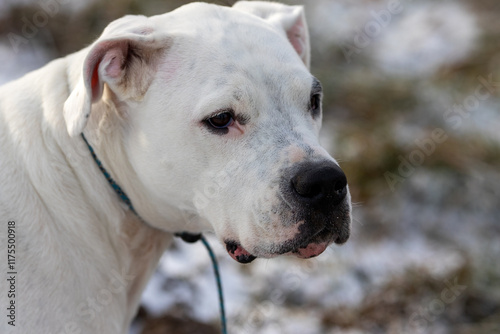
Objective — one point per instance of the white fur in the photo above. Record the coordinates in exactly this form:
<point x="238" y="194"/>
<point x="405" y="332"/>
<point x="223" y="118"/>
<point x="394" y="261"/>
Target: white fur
<point x="83" y="257"/>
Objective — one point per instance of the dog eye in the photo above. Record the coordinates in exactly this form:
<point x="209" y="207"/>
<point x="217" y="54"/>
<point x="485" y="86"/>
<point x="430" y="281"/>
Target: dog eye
<point x="221" y="121"/>
<point x="315" y="104"/>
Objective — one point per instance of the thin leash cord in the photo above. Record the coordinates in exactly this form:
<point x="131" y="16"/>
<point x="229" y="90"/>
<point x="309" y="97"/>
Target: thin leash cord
<point x="192" y="238"/>
<point x="111" y="182"/>
<point x="187" y="237"/>
<point x="219" y="284"/>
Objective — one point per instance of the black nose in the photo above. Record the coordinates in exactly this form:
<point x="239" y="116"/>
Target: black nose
<point x="320" y="184"/>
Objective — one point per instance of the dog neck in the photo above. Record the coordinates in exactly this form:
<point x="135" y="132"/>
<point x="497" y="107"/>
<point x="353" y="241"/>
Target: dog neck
<point x="142" y="248"/>
<point x="137" y="245"/>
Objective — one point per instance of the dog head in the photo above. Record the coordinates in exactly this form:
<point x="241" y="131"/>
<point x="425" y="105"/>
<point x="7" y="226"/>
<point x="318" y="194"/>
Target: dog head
<point x="219" y="121"/>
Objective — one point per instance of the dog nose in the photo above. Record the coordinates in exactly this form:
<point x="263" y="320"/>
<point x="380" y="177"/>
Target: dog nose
<point x="322" y="185"/>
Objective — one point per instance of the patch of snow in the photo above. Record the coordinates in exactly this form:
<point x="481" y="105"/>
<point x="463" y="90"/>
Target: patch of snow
<point x="339" y="21"/>
<point x="483" y="121"/>
<point x="136" y="328"/>
<point x="185" y="276"/>
<point x="156" y="299"/>
<point x="21" y="62"/>
<point x="425" y="37"/>
<point x="465" y="114"/>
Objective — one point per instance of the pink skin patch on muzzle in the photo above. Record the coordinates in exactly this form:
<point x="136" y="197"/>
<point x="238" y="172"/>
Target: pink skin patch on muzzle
<point x="239" y="253"/>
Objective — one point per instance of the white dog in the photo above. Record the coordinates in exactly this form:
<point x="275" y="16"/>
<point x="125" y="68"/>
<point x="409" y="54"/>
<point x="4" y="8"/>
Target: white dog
<point x="207" y="117"/>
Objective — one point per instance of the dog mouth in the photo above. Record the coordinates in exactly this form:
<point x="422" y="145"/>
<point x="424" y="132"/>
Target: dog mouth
<point x="307" y="249"/>
<point x="241" y="255"/>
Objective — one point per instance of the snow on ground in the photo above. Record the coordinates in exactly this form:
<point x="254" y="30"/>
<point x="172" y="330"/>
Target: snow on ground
<point x="256" y="294"/>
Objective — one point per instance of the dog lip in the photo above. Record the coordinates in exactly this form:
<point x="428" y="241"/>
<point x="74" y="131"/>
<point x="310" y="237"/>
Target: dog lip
<point x="238" y="253"/>
<point x="304" y="248"/>
<point x="341" y="239"/>
<point x="311" y="250"/>
<point x="316" y="244"/>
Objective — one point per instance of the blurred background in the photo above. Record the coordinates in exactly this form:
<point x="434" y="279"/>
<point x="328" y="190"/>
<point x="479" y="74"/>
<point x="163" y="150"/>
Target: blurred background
<point x="412" y="114"/>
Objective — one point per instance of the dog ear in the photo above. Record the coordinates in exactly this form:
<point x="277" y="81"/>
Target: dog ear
<point x="289" y="18"/>
<point x="123" y="59"/>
